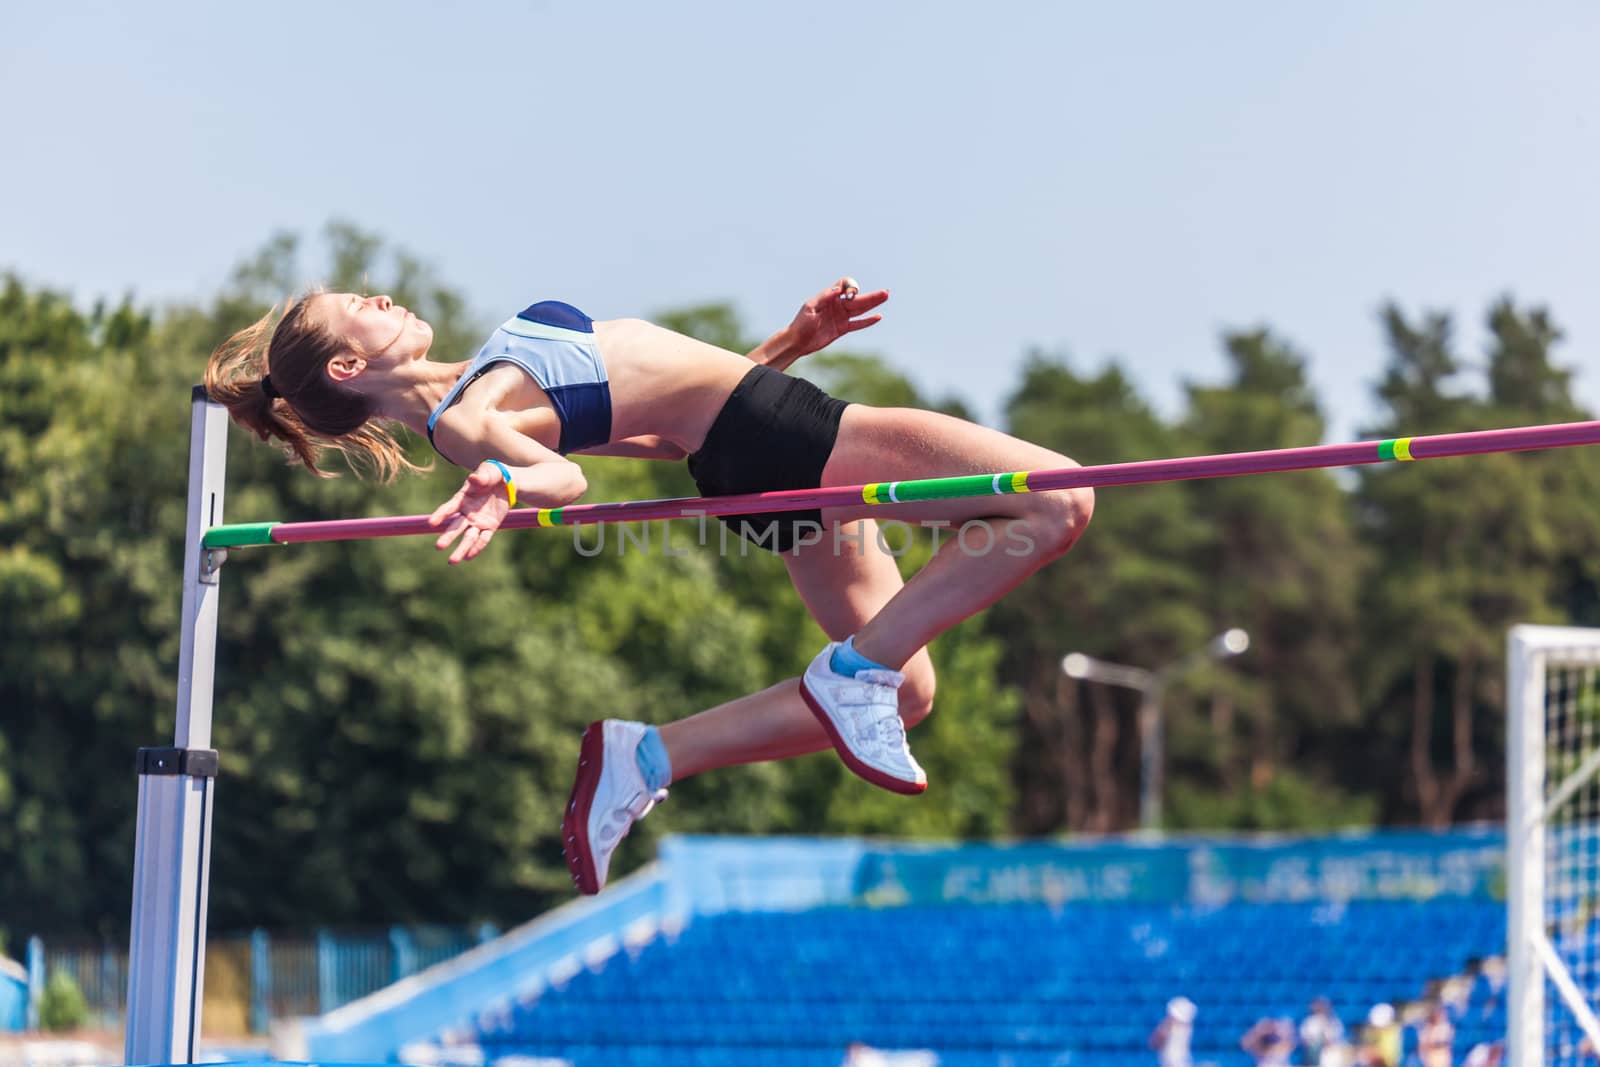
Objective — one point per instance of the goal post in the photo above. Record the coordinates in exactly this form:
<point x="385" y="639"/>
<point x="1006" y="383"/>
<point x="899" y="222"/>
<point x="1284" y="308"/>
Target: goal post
<point x="1553" y="845"/>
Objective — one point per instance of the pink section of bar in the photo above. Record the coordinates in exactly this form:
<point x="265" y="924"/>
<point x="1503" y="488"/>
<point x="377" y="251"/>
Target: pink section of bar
<point x="1438" y="446"/>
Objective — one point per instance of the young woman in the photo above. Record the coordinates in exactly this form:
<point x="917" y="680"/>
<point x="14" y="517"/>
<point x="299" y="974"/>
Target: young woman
<point x="338" y="368"/>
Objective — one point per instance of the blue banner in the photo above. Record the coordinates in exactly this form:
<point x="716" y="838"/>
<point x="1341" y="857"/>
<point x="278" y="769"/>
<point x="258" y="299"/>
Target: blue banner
<point x="1460" y="864"/>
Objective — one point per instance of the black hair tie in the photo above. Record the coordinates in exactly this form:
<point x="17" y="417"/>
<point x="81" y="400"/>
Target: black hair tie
<point x="270" y="389"/>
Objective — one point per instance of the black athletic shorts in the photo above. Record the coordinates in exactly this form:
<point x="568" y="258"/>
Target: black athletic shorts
<point x="774" y="432"/>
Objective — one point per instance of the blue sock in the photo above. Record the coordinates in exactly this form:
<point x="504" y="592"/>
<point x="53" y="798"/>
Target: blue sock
<point x="847" y="661"/>
<point x="653" y="761"/>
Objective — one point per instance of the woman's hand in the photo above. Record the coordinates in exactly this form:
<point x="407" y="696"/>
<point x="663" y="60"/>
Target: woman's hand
<point x="839" y="309"/>
<point x="473" y="514"/>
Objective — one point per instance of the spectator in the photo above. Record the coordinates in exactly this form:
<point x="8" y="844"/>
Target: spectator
<point x="1493" y="971"/>
<point x="1173" y="1034"/>
<point x="1456" y="993"/>
<point x="1270" y="1041"/>
<point x="860" y="1054"/>
<point x="1436" y="1039"/>
<point x="1380" y="1041"/>
<point x="1321" y="1035"/>
<point x="1486" y="1054"/>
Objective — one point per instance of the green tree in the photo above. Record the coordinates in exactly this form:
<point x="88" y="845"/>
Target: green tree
<point x="62" y="1006"/>
<point x="1282" y="562"/>
<point x="82" y="602"/>
<point x="1469" y="547"/>
<point x="1126" y="592"/>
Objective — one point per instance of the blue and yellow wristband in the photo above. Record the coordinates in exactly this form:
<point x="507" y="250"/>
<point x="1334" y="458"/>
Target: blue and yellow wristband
<point x="511" y="486"/>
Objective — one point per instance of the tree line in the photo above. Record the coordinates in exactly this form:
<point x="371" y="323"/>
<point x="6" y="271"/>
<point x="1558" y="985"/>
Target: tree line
<point x="397" y="737"/>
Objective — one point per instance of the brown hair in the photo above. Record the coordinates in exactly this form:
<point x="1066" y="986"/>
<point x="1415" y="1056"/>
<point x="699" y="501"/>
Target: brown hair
<point x="311" y="412"/>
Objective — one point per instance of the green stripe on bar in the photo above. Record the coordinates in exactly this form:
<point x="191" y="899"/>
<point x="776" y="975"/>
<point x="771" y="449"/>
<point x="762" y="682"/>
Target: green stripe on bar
<point x="946" y="488"/>
<point x="239" y="535"/>
<point x="1386" y="450"/>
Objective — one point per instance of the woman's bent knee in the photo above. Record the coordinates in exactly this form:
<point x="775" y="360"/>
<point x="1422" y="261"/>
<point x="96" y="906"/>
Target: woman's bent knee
<point x="916" y="692"/>
<point x="1059" y="518"/>
<point x="1080" y="502"/>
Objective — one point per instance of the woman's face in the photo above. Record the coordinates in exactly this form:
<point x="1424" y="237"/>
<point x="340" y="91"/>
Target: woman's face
<point x="377" y="327"/>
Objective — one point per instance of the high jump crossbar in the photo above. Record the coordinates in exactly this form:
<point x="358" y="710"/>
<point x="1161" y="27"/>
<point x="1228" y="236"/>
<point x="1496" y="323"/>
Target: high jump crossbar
<point x="1437" y="446"/>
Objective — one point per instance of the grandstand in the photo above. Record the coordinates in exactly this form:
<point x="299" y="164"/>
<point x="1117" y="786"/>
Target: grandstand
<point x="785" y="952"/>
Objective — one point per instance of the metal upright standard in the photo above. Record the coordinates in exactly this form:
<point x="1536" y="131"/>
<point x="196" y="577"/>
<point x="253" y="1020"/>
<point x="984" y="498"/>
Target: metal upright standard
<point x="172" y="854"/>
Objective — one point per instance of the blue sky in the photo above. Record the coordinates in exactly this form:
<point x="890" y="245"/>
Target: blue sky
<point x="1100" y="179"/>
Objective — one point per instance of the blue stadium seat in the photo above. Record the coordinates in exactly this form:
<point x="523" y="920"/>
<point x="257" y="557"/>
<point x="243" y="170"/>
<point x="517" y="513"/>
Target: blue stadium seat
<point x="1019" y="984"/>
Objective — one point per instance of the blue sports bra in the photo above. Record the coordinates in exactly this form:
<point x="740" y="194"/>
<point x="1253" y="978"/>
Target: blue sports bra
<point x="554" y="344"/>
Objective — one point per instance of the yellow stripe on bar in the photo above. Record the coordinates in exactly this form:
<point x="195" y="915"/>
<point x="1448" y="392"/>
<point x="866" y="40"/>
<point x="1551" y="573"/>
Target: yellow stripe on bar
<point x="1402" y="448"/>
<point x="1019" y="482"/>
<point x="545" y="516"/>
<point x="872" y="493"/>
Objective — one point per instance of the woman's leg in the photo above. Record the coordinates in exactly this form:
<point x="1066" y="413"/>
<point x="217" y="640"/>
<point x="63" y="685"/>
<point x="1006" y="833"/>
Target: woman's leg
<point x="610" y="793"/>
<point x="842" y="590"/>
<point x="1024" y="532"/>
<point x="1017" y="534"/>
<point x="853" y="587"/>
<point x="1021" y="533"/>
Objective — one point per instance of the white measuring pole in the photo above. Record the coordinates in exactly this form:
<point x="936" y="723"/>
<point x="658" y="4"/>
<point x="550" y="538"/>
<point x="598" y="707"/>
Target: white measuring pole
<point x="172" y="854"/>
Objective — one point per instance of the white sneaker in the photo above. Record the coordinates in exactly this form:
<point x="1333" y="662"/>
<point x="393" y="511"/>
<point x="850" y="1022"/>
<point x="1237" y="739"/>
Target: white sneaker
<point x="608" y="797"/>
<point x="862" y="716"/>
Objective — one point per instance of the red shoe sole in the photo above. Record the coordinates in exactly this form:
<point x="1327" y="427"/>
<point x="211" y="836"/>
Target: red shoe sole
<point x="871" y="774"/>
<point x="575" y="823"/>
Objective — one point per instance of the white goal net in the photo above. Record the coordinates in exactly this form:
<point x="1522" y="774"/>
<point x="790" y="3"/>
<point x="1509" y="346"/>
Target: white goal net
<point x="1553" y="845"/>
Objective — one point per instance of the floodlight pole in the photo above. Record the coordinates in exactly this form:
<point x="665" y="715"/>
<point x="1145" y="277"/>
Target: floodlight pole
<point x="1151" y="686"/>
<point x="172" y="851"/>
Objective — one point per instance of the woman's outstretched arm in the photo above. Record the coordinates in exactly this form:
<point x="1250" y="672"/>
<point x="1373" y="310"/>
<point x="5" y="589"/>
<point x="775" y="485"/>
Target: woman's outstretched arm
<point x="839" y="309"/>
<point x="510" y="466"/>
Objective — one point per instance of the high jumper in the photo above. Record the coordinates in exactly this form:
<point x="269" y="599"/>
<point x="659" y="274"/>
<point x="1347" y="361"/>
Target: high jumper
<point x="338" y="370"/>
